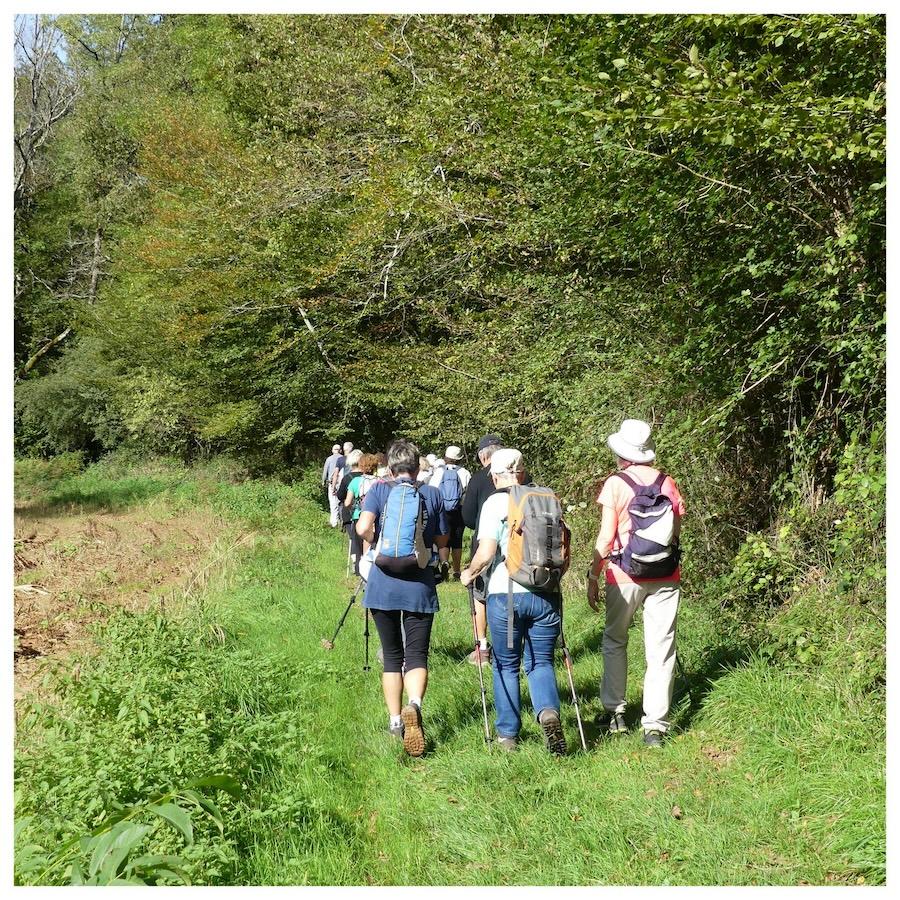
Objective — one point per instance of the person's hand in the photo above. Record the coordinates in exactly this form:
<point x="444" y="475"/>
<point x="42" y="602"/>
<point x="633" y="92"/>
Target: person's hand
<point x="466" y="577"/>
<point x="593" y="595"/>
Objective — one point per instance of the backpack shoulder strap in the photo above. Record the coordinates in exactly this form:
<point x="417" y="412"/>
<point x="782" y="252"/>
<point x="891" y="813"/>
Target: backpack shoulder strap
<point x="628" y="479"/>
<point x="660" y="481"/>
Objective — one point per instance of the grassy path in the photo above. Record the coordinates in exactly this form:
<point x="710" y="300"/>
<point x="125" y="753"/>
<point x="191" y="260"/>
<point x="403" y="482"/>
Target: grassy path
<point x="770" y="779"/>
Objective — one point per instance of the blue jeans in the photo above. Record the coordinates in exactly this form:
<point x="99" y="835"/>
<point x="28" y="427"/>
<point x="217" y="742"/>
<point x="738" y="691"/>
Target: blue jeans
<point x="536" y="625"/>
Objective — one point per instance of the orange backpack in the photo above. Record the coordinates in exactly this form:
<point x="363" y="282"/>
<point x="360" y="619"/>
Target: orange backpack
<point x="538" y="552"/>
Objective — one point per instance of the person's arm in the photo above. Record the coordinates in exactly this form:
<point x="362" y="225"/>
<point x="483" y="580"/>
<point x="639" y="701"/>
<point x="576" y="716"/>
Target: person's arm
<point x="487" y="549"/>
<point x="365" y="526"/>
<point x="470" y="506"/>
<point x="442" y="532"/>
<point x="349" y="498"/>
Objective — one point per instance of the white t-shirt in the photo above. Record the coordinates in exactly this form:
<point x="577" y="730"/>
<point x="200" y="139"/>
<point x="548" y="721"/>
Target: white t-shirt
<point x="492" y="526"/>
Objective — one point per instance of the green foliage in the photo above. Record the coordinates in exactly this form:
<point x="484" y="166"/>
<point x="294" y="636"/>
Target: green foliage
<point x="110" y="770"/>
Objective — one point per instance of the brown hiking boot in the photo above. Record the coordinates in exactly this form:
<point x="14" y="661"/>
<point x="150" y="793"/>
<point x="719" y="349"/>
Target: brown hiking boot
<point x="413" y="733"/>
<point x="479" y="657"/>
<point x="554" y="738"/>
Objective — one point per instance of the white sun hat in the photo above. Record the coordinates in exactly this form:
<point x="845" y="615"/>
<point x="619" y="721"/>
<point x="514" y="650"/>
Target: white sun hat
<point x="432" y="459"/>
<point x="453" y="452"/>
<point x="633" y="442"/>
<point x="506" y="462"/>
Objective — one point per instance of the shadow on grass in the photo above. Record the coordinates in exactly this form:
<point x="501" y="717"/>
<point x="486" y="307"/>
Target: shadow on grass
<point x="111" y="497"/>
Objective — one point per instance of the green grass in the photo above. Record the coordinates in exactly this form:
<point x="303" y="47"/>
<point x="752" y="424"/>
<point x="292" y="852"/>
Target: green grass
<point x="771" y="778"/>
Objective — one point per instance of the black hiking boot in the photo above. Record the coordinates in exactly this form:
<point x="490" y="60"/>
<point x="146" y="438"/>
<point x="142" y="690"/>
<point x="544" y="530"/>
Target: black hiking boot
<point x="617" y="723"/>
<point x="653" y="738"/>
<point x="554" y="739"/>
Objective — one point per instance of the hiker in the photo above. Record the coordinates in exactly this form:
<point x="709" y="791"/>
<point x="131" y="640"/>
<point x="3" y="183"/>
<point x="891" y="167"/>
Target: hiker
<point x="424" y="474"/>
<point x="536" y="616"/>
<point x="381" y="466"/>
<point x="452" y="479"/>
<point x="348" y="522"/>
<point x="637" y="548"/>
<point x="402" y="520"/>
<point x="356" y="490"/>
<point x="327" y="472"/>
<point x="481" y="486"/>
<point x="342" y="468"/>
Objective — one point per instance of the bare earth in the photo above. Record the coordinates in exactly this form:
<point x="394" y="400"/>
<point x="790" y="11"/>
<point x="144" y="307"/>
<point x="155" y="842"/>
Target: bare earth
<point x="71" y="570"/>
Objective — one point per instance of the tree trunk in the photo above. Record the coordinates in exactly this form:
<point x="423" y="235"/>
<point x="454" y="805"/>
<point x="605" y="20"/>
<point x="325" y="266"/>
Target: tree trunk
<point x="45" y="349"/>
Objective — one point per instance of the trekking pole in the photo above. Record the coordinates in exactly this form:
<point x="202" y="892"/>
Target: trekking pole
<point x="487" y="727"/>
<point x="366" y="635"/>
<point x="329" y="645"/>
<point x="567" y="657"/>
<point x="349" y="553"/>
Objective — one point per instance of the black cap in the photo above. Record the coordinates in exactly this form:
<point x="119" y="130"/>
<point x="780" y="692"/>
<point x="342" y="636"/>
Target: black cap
<point x="487" y="440"/>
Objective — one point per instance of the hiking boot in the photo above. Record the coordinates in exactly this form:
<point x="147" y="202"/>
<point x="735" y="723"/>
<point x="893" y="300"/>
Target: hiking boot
<point x="456" y="576"/>
<point x="617" y="723"/>
<point x="413" y="733"/>
<point x="653" y="738"/>
<point x="479" y="657"/>
<point x="396" y="730"/>
<point x="554" y="738"/>
<point x="445" y="571"/>
<point x="509" y="744"/>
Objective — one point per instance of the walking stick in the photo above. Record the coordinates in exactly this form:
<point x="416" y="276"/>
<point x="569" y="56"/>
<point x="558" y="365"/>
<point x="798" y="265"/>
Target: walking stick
<point x="487" y="727"/>
<point x="349" y="552"/>
<point x="329" y="645"/>
<point x="567" y="657"/>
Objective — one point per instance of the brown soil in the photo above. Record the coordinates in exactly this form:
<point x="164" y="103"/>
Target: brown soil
<point x="72" y="570"/>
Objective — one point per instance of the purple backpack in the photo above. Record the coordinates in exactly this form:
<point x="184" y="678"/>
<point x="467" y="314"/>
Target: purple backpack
<point x="652" y="550"/>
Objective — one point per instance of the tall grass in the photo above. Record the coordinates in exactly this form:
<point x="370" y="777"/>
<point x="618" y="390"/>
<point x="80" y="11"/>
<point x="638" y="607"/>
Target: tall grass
<point x="770" y="777"/>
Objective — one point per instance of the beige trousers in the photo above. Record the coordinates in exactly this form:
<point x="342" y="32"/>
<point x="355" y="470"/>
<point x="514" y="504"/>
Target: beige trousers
<point x="660" y="603"/>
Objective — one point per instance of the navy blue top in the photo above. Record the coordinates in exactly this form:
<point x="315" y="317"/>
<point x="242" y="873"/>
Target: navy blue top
<point x="414" y="592"/>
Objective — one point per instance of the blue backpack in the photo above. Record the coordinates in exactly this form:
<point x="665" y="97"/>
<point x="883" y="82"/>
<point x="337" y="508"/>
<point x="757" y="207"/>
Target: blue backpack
<point x="451" y="489"/>
<point x="651" y="551"/>
<point x="401" y="546"/>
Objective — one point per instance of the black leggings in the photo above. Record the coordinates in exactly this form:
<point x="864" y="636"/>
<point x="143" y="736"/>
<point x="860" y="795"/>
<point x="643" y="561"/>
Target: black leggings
<point x="356" y="545"/>
<point x="405" y="637"/>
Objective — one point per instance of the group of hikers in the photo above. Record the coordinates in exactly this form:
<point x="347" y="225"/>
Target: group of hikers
<point x="405" y="515"/>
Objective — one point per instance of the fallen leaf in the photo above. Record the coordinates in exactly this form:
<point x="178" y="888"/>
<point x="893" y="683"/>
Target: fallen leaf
<point x="676" y="811"/>
<point x="664" y="856"/>
<point x="452" y="800"/>
<point x="651" y="793"/>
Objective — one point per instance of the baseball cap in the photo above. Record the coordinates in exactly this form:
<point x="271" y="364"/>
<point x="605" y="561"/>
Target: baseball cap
<point x="506" y="462"/>
<point x="487" y="440"/>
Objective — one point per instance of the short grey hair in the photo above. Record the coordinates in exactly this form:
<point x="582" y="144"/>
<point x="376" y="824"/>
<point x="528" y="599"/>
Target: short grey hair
<point x="353" y="457"/>
<point x="403" y="458"/>
<point x="348" y="446"/>
<point x="487" y="452"/>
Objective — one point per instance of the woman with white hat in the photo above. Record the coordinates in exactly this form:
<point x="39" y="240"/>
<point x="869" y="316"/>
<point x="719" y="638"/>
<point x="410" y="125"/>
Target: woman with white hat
<point x="637" y="548"/>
